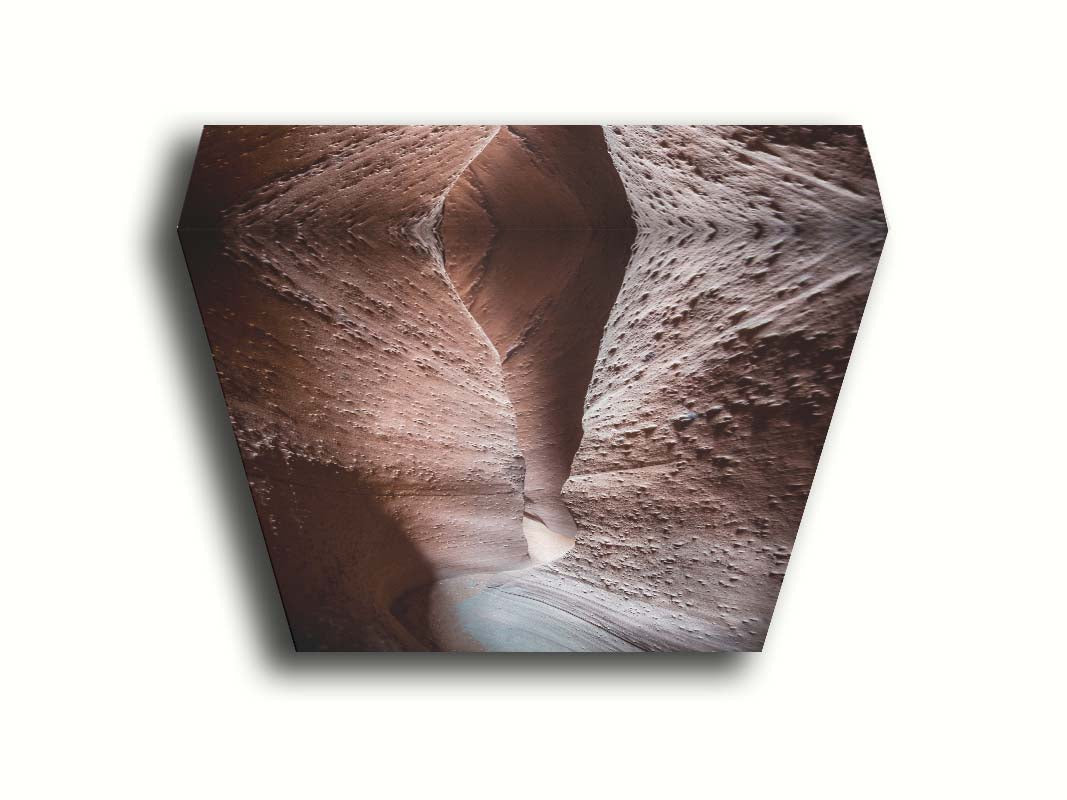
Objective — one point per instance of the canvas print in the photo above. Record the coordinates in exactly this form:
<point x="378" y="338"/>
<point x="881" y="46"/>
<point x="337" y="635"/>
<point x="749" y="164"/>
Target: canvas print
<point x="531" y="388"/>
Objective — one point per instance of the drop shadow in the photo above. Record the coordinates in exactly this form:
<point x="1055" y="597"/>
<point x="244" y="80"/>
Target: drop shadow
<point x="188" y="350"/>
<point x="190" y="354"/>
<point x="595" y="671"/>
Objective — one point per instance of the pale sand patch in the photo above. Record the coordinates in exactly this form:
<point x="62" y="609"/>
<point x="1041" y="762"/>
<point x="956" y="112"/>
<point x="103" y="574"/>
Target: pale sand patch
<point x="543" y="543"/>
<point x="461" y="611"/>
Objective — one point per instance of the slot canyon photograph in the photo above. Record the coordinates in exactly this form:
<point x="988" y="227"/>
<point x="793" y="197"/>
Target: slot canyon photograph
<point x="400" y="393"/>
<point x="531" y="388"/>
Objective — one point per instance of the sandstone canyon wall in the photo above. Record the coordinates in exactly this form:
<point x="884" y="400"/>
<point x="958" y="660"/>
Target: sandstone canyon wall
<point x="721" y="364"/>
<point x="367" y="403"/>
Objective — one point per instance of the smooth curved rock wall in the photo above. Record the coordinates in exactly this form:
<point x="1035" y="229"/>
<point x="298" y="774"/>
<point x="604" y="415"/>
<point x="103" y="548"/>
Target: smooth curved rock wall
<point x="537" y="233"/>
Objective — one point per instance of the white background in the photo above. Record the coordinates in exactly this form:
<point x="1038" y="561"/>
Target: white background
<point x="918" y="647"/>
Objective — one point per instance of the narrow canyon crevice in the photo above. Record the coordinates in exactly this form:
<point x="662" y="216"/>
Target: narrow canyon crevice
<point x="536" y="234"/>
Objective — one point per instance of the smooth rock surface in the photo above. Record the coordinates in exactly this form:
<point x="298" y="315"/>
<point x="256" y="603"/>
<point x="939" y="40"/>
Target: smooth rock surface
<point x="537" y="233"/>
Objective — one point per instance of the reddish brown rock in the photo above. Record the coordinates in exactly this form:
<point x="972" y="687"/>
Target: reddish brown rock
<point x="368" y="407"/>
